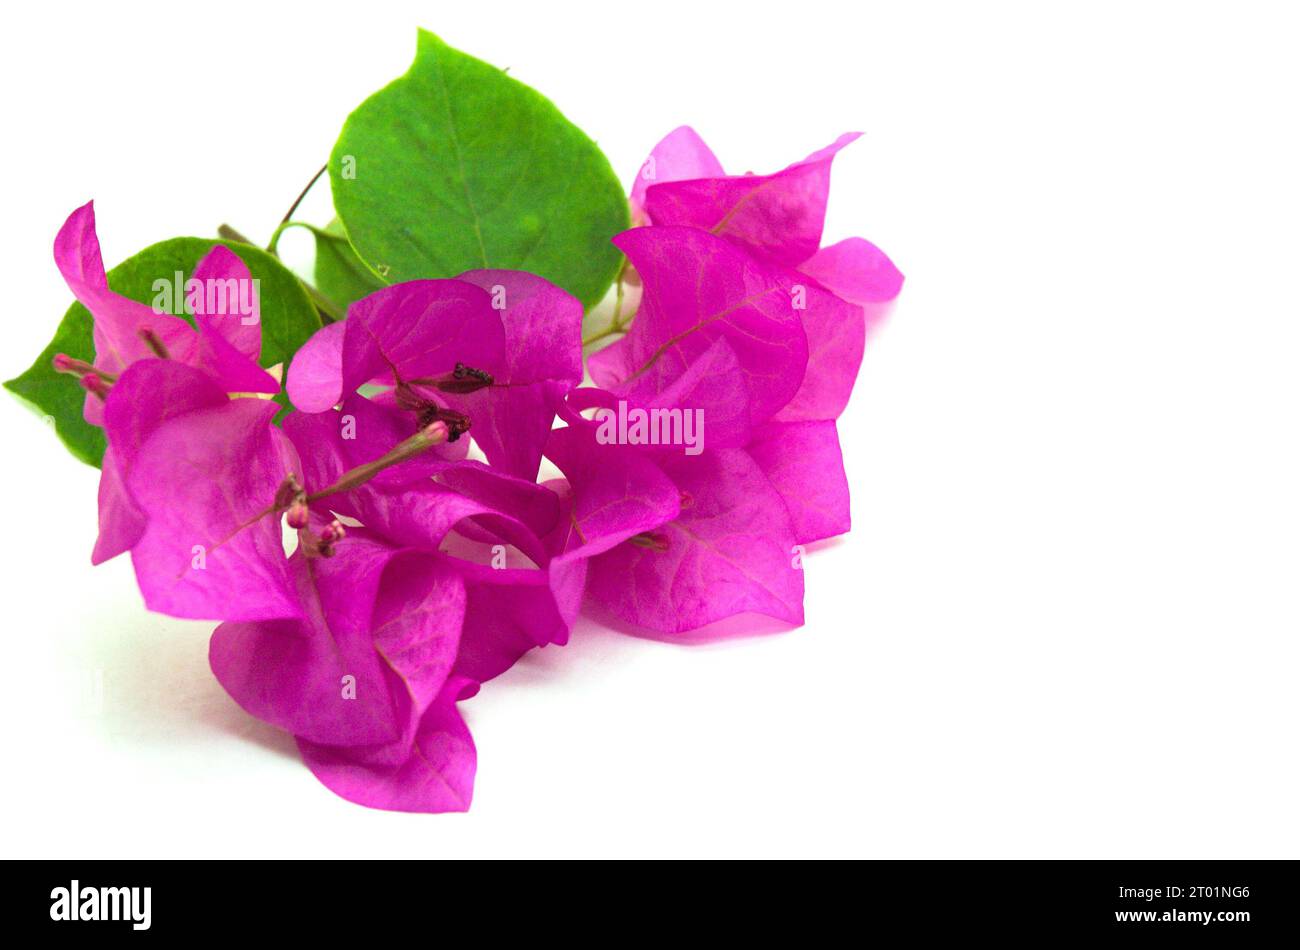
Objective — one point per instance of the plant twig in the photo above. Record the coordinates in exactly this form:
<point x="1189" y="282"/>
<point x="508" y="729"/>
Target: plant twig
<point x="302" y="194"/>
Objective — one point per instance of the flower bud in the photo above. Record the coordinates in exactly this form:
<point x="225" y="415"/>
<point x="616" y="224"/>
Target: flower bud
<point x="298" y="514"/>
<point x="94" y="383"/>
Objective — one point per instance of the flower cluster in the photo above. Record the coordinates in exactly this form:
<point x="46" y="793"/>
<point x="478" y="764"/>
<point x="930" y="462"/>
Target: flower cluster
<point x="370" y="569"/>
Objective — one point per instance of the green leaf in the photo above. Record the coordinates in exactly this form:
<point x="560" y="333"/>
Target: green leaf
<point x="456" y="166"/>
<point x="340" y="274"/>
<point x="288" y="319"/>
<point x="58" y="397"/>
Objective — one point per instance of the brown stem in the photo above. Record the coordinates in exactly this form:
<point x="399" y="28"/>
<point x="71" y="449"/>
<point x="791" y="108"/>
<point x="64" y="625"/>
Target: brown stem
<point x="302" y="194"/>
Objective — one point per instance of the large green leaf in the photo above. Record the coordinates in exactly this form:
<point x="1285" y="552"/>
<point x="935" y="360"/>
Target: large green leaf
<point x="456" y="166"/>
<point x="288" y="319"/>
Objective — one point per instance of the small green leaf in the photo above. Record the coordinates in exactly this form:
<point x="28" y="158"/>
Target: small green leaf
<point x="58" y="397"/>
<point x="456" y="166"/>
<point x="287" y="317"/>
<point x="340" y="274"/>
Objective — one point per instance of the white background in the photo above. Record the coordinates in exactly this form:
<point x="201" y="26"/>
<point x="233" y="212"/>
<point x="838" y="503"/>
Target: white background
<point x="1065" y="623"/>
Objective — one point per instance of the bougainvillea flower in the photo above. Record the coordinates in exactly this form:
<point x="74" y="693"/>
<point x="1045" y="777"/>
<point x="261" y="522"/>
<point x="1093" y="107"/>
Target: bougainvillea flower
<point x="797" y="345"/>
<point x="350" y="652"/>
<point x="288" y="673"/>
<point x="457" y="509"/>
<point x="699" y="289"/>
<point x="413" y="626"/>
<point x="680" y="541"/>
<point x="391" y="637"/>
<point x="713" y="383"/>
<point x="541" y="361"/>
<point x="510" y="609"/>
<point x="362" y="680"/>
<point x="730" y="551"/>
<point x="610" y="494"/>
<point x="225" y="345"/>
<point x="204" y="481"/>
<point x="680" y="155"/>
<point x="419" y="330"/>
<point x="613" y="493"/>
<point x="418" y="500"/>
<point x="793" y="461"/>
<point x="801" y="459"/>
<point x="778" y="216"/>
<point x="497" y="347"/>
<point x="416" y="330"/>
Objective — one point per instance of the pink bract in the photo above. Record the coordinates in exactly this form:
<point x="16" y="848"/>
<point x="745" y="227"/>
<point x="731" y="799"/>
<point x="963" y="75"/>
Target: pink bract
<point x="223" y="345"/>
